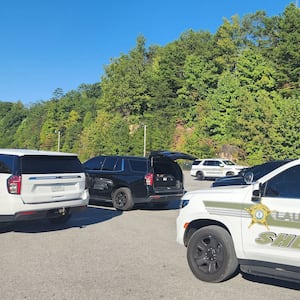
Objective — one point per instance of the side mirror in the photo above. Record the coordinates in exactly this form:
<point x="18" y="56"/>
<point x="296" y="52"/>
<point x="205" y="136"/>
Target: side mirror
<point x="248" y="177"/>
<point x="257" y="194"/>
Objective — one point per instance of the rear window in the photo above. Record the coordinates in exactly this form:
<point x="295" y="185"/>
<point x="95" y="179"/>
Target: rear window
<point x="138" y="165"/>
<point x="6" y="163"/>
<point x="50" y="164"/>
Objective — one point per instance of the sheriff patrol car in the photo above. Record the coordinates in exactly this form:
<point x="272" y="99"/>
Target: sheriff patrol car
<point x="252" y="227"/>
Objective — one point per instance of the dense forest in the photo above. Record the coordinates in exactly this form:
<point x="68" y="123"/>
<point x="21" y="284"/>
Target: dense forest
<point x="234" y="94"/>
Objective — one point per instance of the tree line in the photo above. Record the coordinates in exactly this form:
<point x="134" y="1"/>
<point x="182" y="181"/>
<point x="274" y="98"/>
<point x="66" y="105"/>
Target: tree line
<point x="234" y="93"/>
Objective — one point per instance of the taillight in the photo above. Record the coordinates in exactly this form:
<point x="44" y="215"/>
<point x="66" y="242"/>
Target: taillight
<point x="149" y="179"/>
<point x="14" y="184"/>
<point x="87" y="181"/>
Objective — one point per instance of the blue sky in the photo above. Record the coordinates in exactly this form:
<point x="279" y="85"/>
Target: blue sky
<point x="49" y="44"/>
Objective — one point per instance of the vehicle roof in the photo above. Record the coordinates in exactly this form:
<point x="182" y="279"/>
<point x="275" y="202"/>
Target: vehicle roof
<point x="23" y="152"/>
<point x="213" y="158"/>
<point x="160" y="153"/>
<point x="119" y="156"/>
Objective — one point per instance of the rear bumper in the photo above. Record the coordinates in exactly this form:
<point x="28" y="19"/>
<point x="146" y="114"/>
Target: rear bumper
<point x="40" y="214"/>
<point x="157" y="198"/>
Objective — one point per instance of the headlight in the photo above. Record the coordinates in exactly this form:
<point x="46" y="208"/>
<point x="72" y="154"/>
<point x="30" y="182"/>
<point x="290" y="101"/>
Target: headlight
<point x="184" y="203"/>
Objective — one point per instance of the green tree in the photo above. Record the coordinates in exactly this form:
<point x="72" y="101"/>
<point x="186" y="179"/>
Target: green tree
<point x="12" y="116"/>
<point x="124" y="85"/>
<point x="28" y="133"/>
<point x="286" y="50"/>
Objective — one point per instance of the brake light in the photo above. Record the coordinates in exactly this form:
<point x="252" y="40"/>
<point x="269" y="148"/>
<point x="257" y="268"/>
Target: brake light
<point x="149" y="179"/>
<point x="14" y="184"/>
<point x="87" y="181"/>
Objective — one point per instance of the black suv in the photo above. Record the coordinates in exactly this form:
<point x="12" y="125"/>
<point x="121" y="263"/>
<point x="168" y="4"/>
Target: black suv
<point x="127" y="180"/>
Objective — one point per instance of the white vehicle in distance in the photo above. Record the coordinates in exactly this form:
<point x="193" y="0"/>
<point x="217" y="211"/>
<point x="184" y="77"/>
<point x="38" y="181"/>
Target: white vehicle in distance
<point x="214" y="168"/>
<point x="40" y="184"/>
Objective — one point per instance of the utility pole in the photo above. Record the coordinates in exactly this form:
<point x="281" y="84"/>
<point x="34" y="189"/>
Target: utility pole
<point x="58" y="140"/>
<point x="145" y="139"/>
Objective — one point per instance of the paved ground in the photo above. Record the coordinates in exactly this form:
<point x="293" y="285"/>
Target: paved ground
<point x="106" y="254"/>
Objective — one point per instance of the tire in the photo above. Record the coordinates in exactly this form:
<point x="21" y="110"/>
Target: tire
<point x="211" y="255"/>
<point x="200" y="175"/>
<point x="60" y="220"/>
<point x="122" y="199"/>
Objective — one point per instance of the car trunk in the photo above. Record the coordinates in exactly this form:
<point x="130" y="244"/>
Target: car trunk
<point x="168" y="175"/>
<point x="54" y="188"/>
<point x="51" y="179"/>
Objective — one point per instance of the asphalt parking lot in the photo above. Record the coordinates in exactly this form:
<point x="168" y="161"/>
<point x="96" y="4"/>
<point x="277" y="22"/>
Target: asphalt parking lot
<point x="106" y="254"/>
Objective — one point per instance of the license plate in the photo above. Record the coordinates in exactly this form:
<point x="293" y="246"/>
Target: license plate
<point x="58" y="188"/>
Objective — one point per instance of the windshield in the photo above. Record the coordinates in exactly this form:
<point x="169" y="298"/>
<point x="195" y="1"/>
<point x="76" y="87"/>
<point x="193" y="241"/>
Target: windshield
<point x="263" y="169"/>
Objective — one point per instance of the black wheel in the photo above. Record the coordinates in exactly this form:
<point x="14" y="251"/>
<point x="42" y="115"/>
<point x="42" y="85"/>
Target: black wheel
<point x="211" y="255"/>
<point x="59" y="220"/>
<point x="200" y="175"/>
<point x="122" y="199"/>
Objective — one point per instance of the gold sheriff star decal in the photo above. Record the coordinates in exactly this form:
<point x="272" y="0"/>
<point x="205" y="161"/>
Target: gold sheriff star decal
<point x="259" y="213"/>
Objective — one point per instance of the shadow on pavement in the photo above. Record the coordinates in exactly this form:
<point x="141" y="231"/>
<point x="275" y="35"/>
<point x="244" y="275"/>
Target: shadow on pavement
<point x="91" y="215"/>
<point x="173" y="204"/>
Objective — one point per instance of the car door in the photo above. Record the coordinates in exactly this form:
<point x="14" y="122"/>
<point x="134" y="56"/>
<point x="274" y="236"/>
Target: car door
<point x="213" y="168"/>
<point x="271" y="226"/>
<point x="98" y="184"/>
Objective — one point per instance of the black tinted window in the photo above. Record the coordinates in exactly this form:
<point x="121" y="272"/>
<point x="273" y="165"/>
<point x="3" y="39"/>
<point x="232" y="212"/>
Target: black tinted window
<point x="50" y="164"/>
<point x="94" y="163"/>
<point x="109" y="163"/>
<point x="6" y="163"/>
<point x="196" y="162"/>
<point x="119" y="166"/>
<point x="212" y="163"/>
<point x="138" y="165"/>
<point x="285" y="184"/>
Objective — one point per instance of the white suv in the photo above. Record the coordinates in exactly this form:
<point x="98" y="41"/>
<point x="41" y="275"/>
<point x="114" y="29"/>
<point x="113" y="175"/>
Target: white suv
<point x="254" y="227"/>
<point x="214" y="168"/>
<point x="40" y="184"/>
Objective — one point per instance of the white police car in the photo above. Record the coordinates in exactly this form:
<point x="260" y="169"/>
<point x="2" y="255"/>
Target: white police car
<point x="254" y="226"/>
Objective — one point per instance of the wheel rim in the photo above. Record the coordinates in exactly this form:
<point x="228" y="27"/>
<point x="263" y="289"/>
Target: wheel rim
<point x="209" y="255"/>
<point x="200" y="175"/>
<point x="121" y="199"/>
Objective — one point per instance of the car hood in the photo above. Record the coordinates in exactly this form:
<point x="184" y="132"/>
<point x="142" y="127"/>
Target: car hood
<point x="229" y="180"/>
<point x="171" y="155"/>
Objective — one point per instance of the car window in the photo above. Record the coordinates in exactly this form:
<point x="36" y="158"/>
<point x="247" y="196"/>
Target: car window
<point x="119" y="165"/>
<point x="109" y="163"/>
<point x="208" y="163"/>
<point x="6" y="163"/>
<point x="228" y="162"/>
<point x="285" y="184"/>
<point x="138" y="165"/>
<point x="196" y="162"/>
<point x="94" y="163"/>
<point x="44" y="164"/>
<point x="214" y="163"/>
